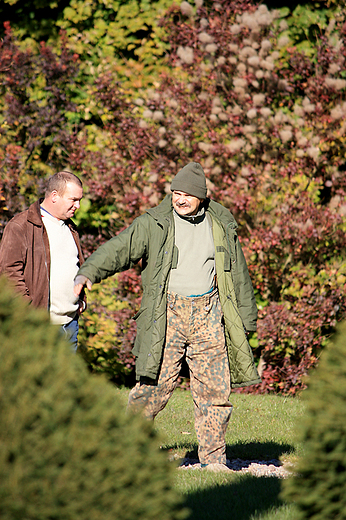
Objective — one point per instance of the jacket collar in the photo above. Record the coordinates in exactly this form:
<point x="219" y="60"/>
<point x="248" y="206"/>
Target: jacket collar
<point x="34" y="213"/>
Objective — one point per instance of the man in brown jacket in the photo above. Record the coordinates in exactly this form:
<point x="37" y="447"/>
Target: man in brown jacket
<point x="41" y="254"/>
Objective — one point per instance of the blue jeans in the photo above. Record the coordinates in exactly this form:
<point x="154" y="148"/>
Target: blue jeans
<point x="70" y="332"/>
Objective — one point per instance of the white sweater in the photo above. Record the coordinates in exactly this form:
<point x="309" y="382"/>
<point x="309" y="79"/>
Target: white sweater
<point x="64" y="264"/>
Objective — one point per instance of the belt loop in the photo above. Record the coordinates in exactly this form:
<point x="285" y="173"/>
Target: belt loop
<point x="207" y="301"/>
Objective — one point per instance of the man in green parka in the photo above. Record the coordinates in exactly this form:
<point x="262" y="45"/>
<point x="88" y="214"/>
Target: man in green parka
<point x="198" y="304"/>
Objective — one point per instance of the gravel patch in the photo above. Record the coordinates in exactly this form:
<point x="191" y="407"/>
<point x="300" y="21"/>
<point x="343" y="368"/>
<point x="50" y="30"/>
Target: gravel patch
<point x="257" y="468"/>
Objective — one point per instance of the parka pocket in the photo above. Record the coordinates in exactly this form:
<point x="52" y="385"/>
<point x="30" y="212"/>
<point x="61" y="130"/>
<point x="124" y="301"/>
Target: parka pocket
<point x="143" y="324"/>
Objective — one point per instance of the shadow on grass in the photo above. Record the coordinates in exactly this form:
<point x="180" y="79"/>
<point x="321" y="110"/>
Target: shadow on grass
<point x="243" y="450"/>
<point x="236" y="500"/>
<point x="258" y="450"/>
<point x="242" y="497"/>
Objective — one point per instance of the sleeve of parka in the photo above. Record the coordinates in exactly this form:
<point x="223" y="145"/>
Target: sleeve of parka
<point x="13" y="252"/>
<point x="119" y="253"/>
<point x="244" y="290"/>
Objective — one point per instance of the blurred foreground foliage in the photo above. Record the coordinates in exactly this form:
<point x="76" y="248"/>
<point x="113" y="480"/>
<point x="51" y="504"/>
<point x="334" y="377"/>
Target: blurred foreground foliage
<point x="67" y="448"/>
<point x="318" y="486"/>
<point x="257" y="95"/>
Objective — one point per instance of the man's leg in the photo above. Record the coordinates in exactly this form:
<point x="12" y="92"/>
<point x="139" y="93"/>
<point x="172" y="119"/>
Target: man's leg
<point x="70" y="333"/>
<point x="209" y="380"/>
<point x="152" y="398"/>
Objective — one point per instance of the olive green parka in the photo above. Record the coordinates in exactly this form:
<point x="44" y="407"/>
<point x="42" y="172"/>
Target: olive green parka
<point x="151" y="238"/>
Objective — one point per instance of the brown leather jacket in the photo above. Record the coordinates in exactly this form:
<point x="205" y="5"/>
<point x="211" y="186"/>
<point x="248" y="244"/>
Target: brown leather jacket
<point x="25" y="256"/>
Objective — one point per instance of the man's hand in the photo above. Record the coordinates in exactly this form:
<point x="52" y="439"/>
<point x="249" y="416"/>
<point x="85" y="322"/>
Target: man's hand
<point x="79" y="282"/>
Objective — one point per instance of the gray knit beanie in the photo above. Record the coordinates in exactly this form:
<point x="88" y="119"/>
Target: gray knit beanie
<point x="191" y="180"/>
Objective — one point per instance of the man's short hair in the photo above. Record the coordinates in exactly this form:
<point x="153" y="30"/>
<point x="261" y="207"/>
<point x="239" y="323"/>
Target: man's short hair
<point x="58" y="181"/>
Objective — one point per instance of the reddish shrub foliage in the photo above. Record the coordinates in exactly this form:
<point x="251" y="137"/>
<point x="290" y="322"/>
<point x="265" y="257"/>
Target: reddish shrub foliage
<point x="266" y="121"/>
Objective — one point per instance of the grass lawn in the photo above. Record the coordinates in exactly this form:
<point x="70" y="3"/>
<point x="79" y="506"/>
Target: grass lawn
<point x="261" y="427"/>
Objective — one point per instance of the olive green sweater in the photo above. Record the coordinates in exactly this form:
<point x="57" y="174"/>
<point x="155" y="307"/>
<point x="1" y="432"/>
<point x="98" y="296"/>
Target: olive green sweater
<point x="194" y="274"/>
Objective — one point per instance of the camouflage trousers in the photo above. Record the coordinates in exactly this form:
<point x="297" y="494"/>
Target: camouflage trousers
<point x="194" y="332"/>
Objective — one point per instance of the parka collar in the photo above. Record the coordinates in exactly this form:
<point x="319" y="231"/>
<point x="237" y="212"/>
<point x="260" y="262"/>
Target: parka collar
<point x="221" y="213"/>
<point x="163" y="210"/>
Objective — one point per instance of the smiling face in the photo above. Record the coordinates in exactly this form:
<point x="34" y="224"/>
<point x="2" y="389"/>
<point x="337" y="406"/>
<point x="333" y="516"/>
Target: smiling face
<point x="184" y="204"/>
<point x="63" y="206"/>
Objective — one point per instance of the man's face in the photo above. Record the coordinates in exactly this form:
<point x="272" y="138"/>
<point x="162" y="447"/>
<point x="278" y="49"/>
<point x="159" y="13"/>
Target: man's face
<point x="185" y="204"/>
<point x="65" y="205"/>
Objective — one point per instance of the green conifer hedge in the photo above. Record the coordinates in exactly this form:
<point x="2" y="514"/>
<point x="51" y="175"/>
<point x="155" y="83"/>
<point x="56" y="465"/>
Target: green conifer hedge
<point x="67" y="449"/>
<point x="319" y="485"/>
